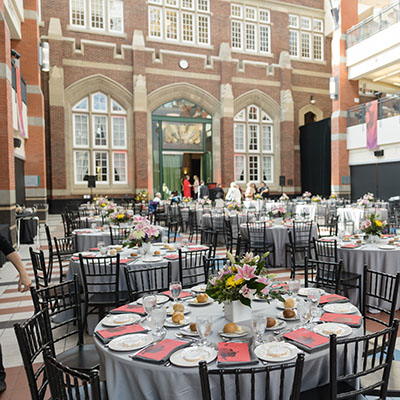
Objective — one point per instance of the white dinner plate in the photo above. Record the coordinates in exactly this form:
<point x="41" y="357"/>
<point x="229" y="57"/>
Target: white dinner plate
<point x="199" y="288"/>
<point x="281" y="305"/>
<point x="257" y="298"/>
<point x="158" y="244"/>
<point x="242" y="331"/>
<point x="187" y="332"/>
<point x="120" y="319"/>
<point x="387" y="247"/>
<point x="329" y="328"/>
<point x="171" y="324"/>
<point x="193" y="302"/>
<point x="131" y="342"/>
<point x="152" y="259"/>
<point x="340" y="308"/>
<point x="281" y="316"/>
<point x="191" y="356"/>
<point x="170" y="310"/>
<point x="161" y="299"/>
<point x="304" y="291"/>
<point x="276" y="351"/>
<point x="279" y="325"/>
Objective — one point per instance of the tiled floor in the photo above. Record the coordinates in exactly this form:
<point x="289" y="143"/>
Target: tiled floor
<point x="16" y="307"/>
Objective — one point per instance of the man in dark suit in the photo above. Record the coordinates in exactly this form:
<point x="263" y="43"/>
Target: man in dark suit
<point x="203" y="190"/>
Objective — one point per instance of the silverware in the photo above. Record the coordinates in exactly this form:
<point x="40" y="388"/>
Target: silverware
<point x="143" y="348"/>
<point x="167" y="364"/>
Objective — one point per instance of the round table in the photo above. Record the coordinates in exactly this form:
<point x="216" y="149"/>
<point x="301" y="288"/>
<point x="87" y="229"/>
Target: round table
<point x="356" y="215"/>
<point x="127" y="378"/>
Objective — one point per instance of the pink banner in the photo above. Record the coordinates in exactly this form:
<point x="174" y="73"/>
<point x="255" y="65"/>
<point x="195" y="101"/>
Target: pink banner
<point x="371" y="118"/>
<point x="19" y="99"/>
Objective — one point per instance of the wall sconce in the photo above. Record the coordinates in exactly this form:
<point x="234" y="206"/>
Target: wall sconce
<point x="312" y="100"/>
<point x="44" y="59"/>
<point x="185" y="171"/>
<point x="333" y="87"/>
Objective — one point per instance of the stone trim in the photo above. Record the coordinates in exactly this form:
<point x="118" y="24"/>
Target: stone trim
<point x="183" y="74"/>
<point x="307" y="108"/>
<point x="36" y="121"/>
<point x="7" y="197"/>
<point x="338" y="136"/>
<point x="309" y="90"/>
<point x="5" y="72"/>
<point x="92" y="64"/>
<point x="255" y="82"/>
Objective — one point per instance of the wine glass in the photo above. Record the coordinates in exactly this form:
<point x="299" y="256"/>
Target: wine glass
<point x="314" y="296"/>
<point x="149" y="303"/>
<point x="158" y="317"/>
<point x="203" y="325"/>
<point x="175" y="289"/>
<point x="164" y="239"/>
<point x="303" y="312"/>
<point x="294" y="287"/>
<point x="259" y="322"/>
<point x="101" y="246"/>
<point x="185" y="243"/>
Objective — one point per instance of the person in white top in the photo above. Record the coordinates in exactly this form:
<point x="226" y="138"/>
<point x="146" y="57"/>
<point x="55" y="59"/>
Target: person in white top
<point x="234" y="194"/>
<point x="157" y="199"/>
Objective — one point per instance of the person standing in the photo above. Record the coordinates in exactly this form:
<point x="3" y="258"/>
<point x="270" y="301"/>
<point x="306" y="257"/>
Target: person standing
<point x="186" y="187"/>
<point x="196" y="184"/>
<point x="203" y="190"/>
<point x="24" y="282"/>
<point x="234" y="194"/>
<point x="249" y="193"/>
<point x="264" y="190"/>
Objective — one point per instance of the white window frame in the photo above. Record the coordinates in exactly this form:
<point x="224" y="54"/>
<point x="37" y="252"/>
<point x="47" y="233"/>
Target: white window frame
<point x="249" y="137"/>
<point x="253" y="10"/>
<point x="271" y="157"/>
<point x="258" y="168"/>
<point x="94" y="132"/>
<point x="318" y="21"/>
<point x="120" y="112"/>
<point x="104" y="17"/>
<point x="310" y="45"/>
<point x="108" y="167"/>
<point x="267" y="12"/>
<point x="309" y="21"/>
<point x="109" y="18"/>
<point x="92" y="101"/>
<point x="77" y="182"/>
<point x="155" y="1"/>
<point x="239" y="117"/>
<point x="296" y="18"/>
<point x="238" y="7"/>
<point x="244" y="158"/>
<point x="126" y="167"/>
<point x="188" y="8"/>
<point x="271" y="135"/>
<point x="268" y="28"/>
<point x="322" y="46"/>
<point x="84" y="18"/>
<point x="240" y="24"/>
<point x="194" y="28"/>
<point x="81" y="146"/>
<point x="248" y="113"/>
<point x="160" y="10"/>
<point x="248" y="24"/>
<point x="297" y="34"/>
<point x="198" y="27"/>
<point x="113" y="117"/>
<point x="238" y="149"/>
<point x="80" y="110"/>
<point x="200" y="9"/>
<point x="176" y="11"/>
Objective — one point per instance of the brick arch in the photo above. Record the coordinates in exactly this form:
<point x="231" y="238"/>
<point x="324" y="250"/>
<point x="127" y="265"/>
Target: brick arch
<point x="307" y="108"/>
<point x="260" y="99"/>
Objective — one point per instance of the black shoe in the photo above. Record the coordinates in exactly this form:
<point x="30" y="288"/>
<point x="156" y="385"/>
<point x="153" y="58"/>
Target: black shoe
<point x="3" y="386"/>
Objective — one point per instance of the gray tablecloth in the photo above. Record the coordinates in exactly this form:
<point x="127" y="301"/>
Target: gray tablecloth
<point x="128" y="379"/>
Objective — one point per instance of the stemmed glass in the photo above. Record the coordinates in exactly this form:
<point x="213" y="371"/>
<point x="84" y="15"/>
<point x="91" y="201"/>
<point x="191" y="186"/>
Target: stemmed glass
<point x="203" y="325"/>
<point x="303" y="312"/>
<point x="294" y="287"/>
<point x="158" y="317"/>
<point x="314" y="296"/>
<point x="149" y="303"/>
<point x="185" y="243"/>
<point x="175" y="288"/>
<point x="101" y="246"/>
<point x="259" y="322"/>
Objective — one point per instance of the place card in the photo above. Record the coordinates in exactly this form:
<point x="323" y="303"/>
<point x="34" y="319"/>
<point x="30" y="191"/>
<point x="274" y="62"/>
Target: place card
<point x="105" y="335"/>
<point x="129" y="308"/>
<point x="348" y="319"/>
<point x="333" y="298"/>
<point x="234" y="353"/>
<point x="160" y="352"/>
<point x="307" y="340"/>
<point x="183" y="295"/>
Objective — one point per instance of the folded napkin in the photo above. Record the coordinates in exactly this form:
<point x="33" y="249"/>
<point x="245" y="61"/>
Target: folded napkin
<point x="198" y="248"/>
<point x="327" y="240"/>
<point x="350" y="246"/>
<point x="172" y="257"/>
<point x="232" y="354"/>
<point x="386" y="236"/>
<point x="74" y="258"/>
<point x="348" y="319"/>
<point x="94" y="249"/>
<point x="129" y="308"/>
<point x="333" y="298"/>
<point x="183" y="295"/>
<point x="124" y="260"/>
<point x="281" y="286"/>
<point x="83" y="232"/>
<point x="307" y="340"/>
<point x="160" y="352"/>
<point x="106" y="335"/>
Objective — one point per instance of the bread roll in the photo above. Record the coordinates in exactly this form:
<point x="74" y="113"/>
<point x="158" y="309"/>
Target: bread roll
<point x="271" y="322"/>
<point x="193" y="327"/>
<point x="157" y="252"/>
<point x="289" y="313"/>
<point x="177" y="317"/>
<point x="231" y="327"/>
<point x="289" y="303"/>
<point x="179" y="307"/>
<point x="202" y="298"/>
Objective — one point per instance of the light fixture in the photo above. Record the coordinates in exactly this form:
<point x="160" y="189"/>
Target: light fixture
<point x="312" y="100"/>
<point x="185" y="170"/>
<point x="45" y="56"/>
<point x="183" y="64"/>
<point x="333" y="87"/>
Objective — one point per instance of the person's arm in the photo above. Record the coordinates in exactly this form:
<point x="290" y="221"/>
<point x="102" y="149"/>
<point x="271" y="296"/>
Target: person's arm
<point x="24" y="282"/>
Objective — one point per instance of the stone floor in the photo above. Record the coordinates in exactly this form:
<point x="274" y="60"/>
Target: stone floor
<point x="16" y="307"/>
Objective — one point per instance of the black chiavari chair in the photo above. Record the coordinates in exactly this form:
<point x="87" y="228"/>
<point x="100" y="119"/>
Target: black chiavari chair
<point x="191" y="267"/>
<point x="118" y="235"/>
<point x="65" y="248"/>
<point x="40" y="269"/>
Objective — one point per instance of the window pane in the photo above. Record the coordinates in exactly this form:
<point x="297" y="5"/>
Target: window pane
<point x="78" y="16"/>
<point x="116" y="15"/>
<point x="318" y="47"/>
<point x="318" y="25"/>
<point x="81" y="165"/>
<point x="118" y="131"/>
<point x="101" y="166"/>
<point x="240" y="169"/>
<point x="293" y="21"/>
<point x="305" y="44"/>
<point x="293" y="43"/>
<point x="267" y="137"/>
<point x="187" y="4"/>
<point x="202" y="5"/>
<point x="171" y="2"/>
<point x="236" y="35"/>
<point x="203" y="29"/>
<point x="250" y="37"/>
<point x="264" y="15"/>
<point x="81" y="130"/>
<point x="119" y="167"/>
<point x="241" y="115"/>
<point x="239" y="137"/>
<point x="253" y="137"/>
<point x="97" y="14"/>
<point x="264" y="38"/>
<point x="267" y="168"/>
<point x="155" y="22"/>
<point x="100" y="130"/>
<point x="236" y="10"/>
<point x="115" y="107"/>
<point x="253" y="113"/>
<point x="81" y="105"/>
<point x="99" y="102"/>
<point x="187" y="27"/>
<point x="253" y="168"/>
<point x="171" y="24"/>
<point x="305" y="23"/>
<point x="250" y="13"/>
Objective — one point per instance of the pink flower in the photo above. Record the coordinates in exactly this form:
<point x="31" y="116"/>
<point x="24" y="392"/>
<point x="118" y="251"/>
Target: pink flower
<point x="263" y="279"/>
<point x="246" y="272"/>
<point x="265" y="291"/>
<point x="247" y="292"/>
<point x="213" y="281"/>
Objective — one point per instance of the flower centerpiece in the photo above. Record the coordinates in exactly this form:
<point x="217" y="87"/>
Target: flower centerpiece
<point x="101" y="202"/>
<point x="205" y="201"/>
<point x="120" y="216"/>
<point x="237" y="284"/>
<point x="142" y="196"/>
<point x="306" y="195"/>
<point x="366" y="200"/>
<point x="316" y="199"/>
<point x="109" y="209"/>
<point x="258" y="196"/>
<point x="278" y="214"/>
<point x="284" y="197"/>
<point x="372" y="227"/>
<point x="333" y="196"/>
<point x="142" y="233"/>
<point x="234" y="206"/>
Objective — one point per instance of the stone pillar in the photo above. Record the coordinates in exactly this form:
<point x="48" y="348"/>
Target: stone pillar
<point x="347" y="92"/>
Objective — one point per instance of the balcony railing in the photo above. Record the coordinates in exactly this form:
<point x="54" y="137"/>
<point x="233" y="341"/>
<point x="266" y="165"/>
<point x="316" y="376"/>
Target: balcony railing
<point x="373" y="24"/>
<point x="387" y="107"/>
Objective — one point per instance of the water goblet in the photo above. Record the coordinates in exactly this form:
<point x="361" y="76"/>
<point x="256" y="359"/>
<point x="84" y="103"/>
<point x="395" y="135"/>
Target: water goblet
<point x="93" y="225"/>
<point x="203" y="324"/>
<point x="149" y="303"/>
<point x="164" y="239"/>
<point x="314" y="296"/>
<point x="303" y="312"/>
<point x="175" y="289"/>
<point x="158" y="317"/>
<point x="185" y="243"/>
<point x="102" y="248"/>
<point x="259" y="323"/>
<point x="294" y="287"/>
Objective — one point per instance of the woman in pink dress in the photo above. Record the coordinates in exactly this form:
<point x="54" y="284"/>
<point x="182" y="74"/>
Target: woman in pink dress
<point x="186" y="187"/>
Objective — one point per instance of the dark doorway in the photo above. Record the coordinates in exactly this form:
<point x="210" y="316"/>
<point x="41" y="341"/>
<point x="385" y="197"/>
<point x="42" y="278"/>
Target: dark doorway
<point x="309" y="118"/>
<point x="195" y="166"/>
<point x="19" y="181"/>
<point x="315" y="157"/>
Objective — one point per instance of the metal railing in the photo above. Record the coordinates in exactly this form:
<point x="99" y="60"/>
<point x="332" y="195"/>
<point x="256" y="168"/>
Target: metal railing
<point x="387" y="107"/>
<point x="373" y="24"/>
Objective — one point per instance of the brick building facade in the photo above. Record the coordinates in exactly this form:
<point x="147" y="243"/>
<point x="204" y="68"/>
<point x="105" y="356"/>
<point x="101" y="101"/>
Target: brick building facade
<point x="126" y="79"/>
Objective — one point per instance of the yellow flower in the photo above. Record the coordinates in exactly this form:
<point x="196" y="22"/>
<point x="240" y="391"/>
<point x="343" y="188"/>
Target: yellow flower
<point x="230" y="282"/>
<point x="103" y="204"/>
<point x="234" y="269"/>
<point x="95" y="199"/>
<point x="120" y="216"/>
<point x="378" y="223"/>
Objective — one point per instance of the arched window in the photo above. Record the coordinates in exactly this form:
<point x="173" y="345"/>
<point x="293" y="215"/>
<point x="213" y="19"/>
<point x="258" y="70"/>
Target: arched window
<point x="99" y="140"/>
<point x="253" y="145"/>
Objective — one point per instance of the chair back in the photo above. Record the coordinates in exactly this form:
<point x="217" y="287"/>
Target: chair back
<point x="256" y="232"/>
<point x="191" y="267"/>
<point x="323" y="273"/>
<point x="302" y="233"/>
<point x="33" y="336"/>
<point x="325" y="250"/>
<point x="263" y="377"/>
<point x="65" y="248"/>
<point x="100" y="276"/>
<point x="383" y="288"/>
<point x="359" y="357"/>
<point x="66" y="383"/>
<point x="212" y="265"/>
<point x="63" y="303"/>
<point x="40" y="269"/>
<point x="151" y="279"/>
<point x="49" y="243"/>
<point x="118" y="235"/>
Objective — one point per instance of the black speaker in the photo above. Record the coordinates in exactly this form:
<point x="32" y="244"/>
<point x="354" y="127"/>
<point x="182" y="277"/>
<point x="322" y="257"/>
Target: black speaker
<point x="378" y="153"/>
<point x="91" y="182"/>
<point x="282" y="180"/>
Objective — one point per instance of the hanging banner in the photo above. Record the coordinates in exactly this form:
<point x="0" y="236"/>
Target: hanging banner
<point x="371" y="118"/>
<point x="19" y="102"/>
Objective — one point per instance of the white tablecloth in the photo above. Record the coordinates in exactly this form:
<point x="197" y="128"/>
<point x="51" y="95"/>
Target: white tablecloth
<point x="357" y="215"/>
